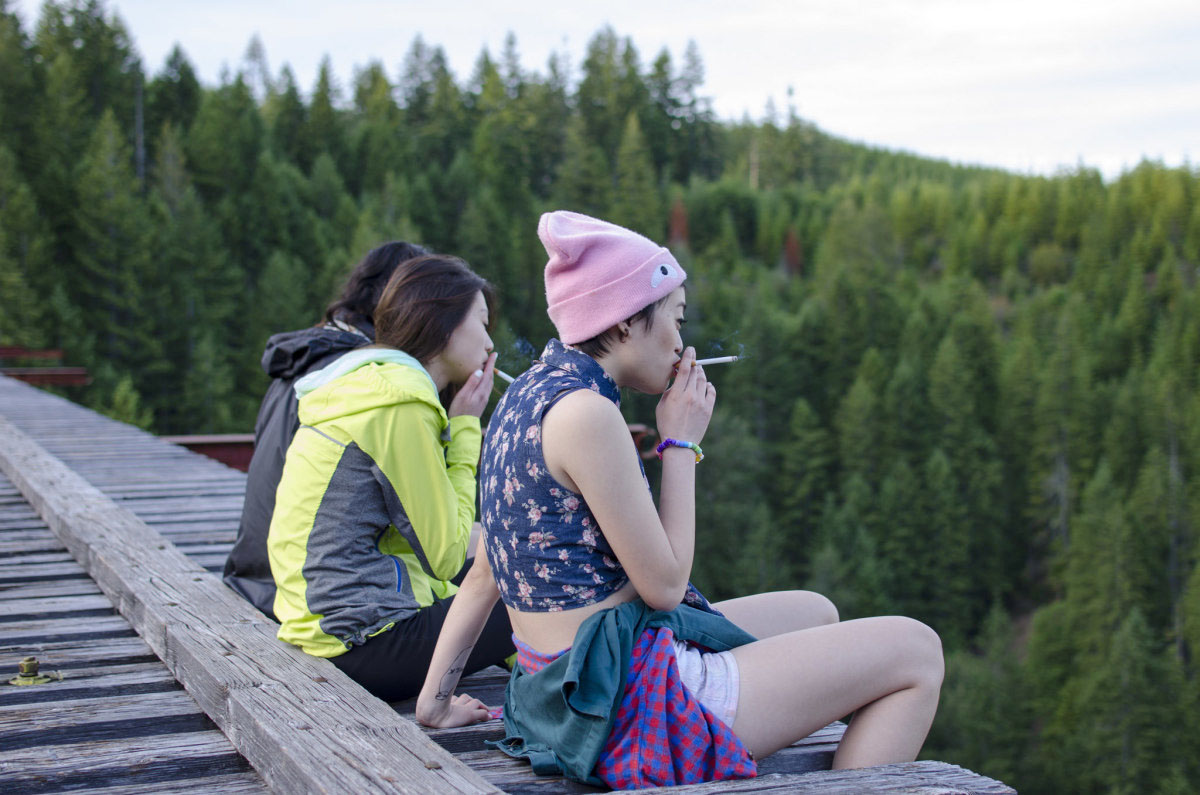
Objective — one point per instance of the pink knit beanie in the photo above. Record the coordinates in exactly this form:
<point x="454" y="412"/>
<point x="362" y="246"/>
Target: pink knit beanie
<point x="600" y="274"/>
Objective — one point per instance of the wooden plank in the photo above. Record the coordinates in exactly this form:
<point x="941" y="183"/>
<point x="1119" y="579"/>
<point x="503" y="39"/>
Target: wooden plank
<point x="85" y="719"/>
<point x="228" y="784"/>
<point x="68" y="653"/>
<point x="97" y="682"/>
<point x="107" y="624"/>
<point x="197" y="508"/>
<point x="35" y="590"/>
<point x="226" y="486"/>
<point x="36" y="558"/>
<point x="515" y="775"/>
<point x="145" y="761"/>
<point x="913" y="778"/>
<point x="15" y="544"/>
<point x="52" y="605"/>
<point x="302" y="723"/>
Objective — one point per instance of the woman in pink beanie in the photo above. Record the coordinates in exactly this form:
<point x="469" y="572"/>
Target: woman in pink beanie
<point x="626" y="675"/>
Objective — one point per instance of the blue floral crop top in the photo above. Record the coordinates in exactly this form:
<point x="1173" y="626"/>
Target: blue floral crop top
<point x="545" y="548"/>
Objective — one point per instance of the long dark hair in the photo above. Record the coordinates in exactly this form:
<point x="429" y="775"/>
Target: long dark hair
<point x="424" y="301"/>
<point x="356" y="305"/>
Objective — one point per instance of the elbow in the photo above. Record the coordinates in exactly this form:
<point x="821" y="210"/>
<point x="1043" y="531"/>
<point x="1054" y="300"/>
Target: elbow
<point x="478" y="584"/>
<point x="664" y="596"/>
<point x="479" y="577"/>
<point x="448" y="564"/>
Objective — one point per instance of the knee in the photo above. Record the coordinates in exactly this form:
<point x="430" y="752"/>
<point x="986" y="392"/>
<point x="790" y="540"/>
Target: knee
<point x="923" y="651"/>
<point x="823" y="610"/>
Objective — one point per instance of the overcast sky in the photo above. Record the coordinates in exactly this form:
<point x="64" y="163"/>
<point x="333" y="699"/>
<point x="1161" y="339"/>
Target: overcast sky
<point x="1030" y="85"/>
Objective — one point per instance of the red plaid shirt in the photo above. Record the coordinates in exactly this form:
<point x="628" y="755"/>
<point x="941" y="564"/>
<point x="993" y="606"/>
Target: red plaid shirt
<point x="662" y="735"/>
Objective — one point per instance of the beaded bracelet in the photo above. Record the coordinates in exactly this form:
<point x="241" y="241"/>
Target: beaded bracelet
<point x="695" y="448"/>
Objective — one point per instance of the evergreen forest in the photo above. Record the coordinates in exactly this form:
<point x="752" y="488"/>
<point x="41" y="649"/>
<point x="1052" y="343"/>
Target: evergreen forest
<point x="966" y="395"/>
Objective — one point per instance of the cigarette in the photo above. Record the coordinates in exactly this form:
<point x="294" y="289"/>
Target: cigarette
<point x="503" y="375"/>
<point x="717" y="360"/>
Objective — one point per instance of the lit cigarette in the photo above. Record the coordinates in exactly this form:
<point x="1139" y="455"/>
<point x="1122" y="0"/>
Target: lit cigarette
<point x="718" y="360"/>
<point x="504" y="375"/>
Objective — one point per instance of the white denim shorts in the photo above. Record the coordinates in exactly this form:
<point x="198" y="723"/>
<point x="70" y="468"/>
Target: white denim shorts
<point x="712" y="677"/>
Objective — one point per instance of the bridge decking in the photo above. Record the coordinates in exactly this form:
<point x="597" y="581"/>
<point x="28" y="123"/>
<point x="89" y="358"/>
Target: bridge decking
<point x="126" y="504"/>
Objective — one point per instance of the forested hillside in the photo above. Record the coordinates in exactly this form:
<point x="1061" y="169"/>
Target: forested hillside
<point x="967" y="395"/>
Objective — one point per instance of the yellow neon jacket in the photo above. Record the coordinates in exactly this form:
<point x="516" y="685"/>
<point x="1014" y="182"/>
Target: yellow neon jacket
<point x="374" y="510"/>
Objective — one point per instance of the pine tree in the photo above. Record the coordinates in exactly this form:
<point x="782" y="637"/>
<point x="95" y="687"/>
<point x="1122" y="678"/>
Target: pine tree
<point x="377" y="140"/>
<point x="954" y="400"/>
<point x="948" y="588"/>
<point x="208" y="385"/>
<point x="18" y="89"/>
<point x="908" y="547"/>
<point x="24" y="256"/>
<point x="224" y="142"/>
<point x="286" y="120"/>
<point x="611" y="88"/>
<point x="584" y="181"/>
<point x="63" y="133"/>
<point x="102" y="55"/>
<point x="983" y="716"/>
<point x="112" y="255"/>
<point x="173" y="96"/>
<point x="859" y="424"/>
<point x="1133" y="701"/>
<point x="199" y="290"/>
<point x="323" y="127"/>
<point x="847" y="567"/>
<point x="125" y="404"/>
<point x="804" y="478"/>
<point x="636" y="204"/>
<point x="545" y="106"/>
<point x="742" y="550"/>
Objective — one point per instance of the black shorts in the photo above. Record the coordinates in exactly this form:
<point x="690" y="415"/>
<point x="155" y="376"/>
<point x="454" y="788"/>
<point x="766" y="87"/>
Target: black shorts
<point x="393" y="664"/>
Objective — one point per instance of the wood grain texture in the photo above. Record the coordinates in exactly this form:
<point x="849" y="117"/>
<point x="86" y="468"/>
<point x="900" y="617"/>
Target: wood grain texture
<point x="140" y="761"/>
<point x="302" y="724"/>
<point x="912" y="778"/>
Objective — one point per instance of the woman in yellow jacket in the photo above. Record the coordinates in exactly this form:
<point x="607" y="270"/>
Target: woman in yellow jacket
<point x="374" y="511"/>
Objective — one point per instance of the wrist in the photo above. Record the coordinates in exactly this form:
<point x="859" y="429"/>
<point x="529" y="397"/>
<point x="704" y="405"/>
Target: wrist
<point x="680" y="444"/>
<point x="429" y="710"/>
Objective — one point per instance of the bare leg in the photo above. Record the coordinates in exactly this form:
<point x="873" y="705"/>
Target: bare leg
<point x="764" y="615"/>
<point x="887" y="670"/>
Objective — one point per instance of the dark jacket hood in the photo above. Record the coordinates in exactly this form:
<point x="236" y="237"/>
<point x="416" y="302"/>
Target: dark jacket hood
<point x="293" y="353"/>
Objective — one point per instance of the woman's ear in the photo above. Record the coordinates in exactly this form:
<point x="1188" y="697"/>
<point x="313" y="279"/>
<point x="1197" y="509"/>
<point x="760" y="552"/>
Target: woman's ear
<point x="623" y="331"/>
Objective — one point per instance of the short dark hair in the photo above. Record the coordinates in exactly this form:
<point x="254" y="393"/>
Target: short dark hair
<point x="599" y="344"/>
<point x="424" y="301"/>
<point x="364" y="285"/>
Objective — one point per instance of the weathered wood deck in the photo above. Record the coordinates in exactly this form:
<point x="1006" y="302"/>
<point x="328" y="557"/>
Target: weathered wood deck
<point x="108" y="533"/>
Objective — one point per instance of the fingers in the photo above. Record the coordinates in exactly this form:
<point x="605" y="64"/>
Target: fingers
<point x="473" y="396"/>
<point x="686" y="367"/>
<point x="466" y="700"/>
<point x="469" y="710"/>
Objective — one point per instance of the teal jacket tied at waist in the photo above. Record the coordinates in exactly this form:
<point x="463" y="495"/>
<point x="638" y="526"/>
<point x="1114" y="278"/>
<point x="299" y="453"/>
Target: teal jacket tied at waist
<point x="560" y="717"/>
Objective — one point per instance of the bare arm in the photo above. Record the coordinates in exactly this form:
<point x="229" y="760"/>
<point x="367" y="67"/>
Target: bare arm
<point x="437" y="705"/>
<point x="585" y="438"/>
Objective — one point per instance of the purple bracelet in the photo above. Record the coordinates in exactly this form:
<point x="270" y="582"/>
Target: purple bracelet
<point x="668" y="442"/>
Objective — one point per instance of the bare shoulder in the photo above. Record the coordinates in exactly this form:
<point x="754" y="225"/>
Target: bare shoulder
<point x="584" y="433"/>
<point x="583" y="415"/>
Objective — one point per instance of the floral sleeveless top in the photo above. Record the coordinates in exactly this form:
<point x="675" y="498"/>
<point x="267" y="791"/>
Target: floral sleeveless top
<point x="545" y="548"/>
